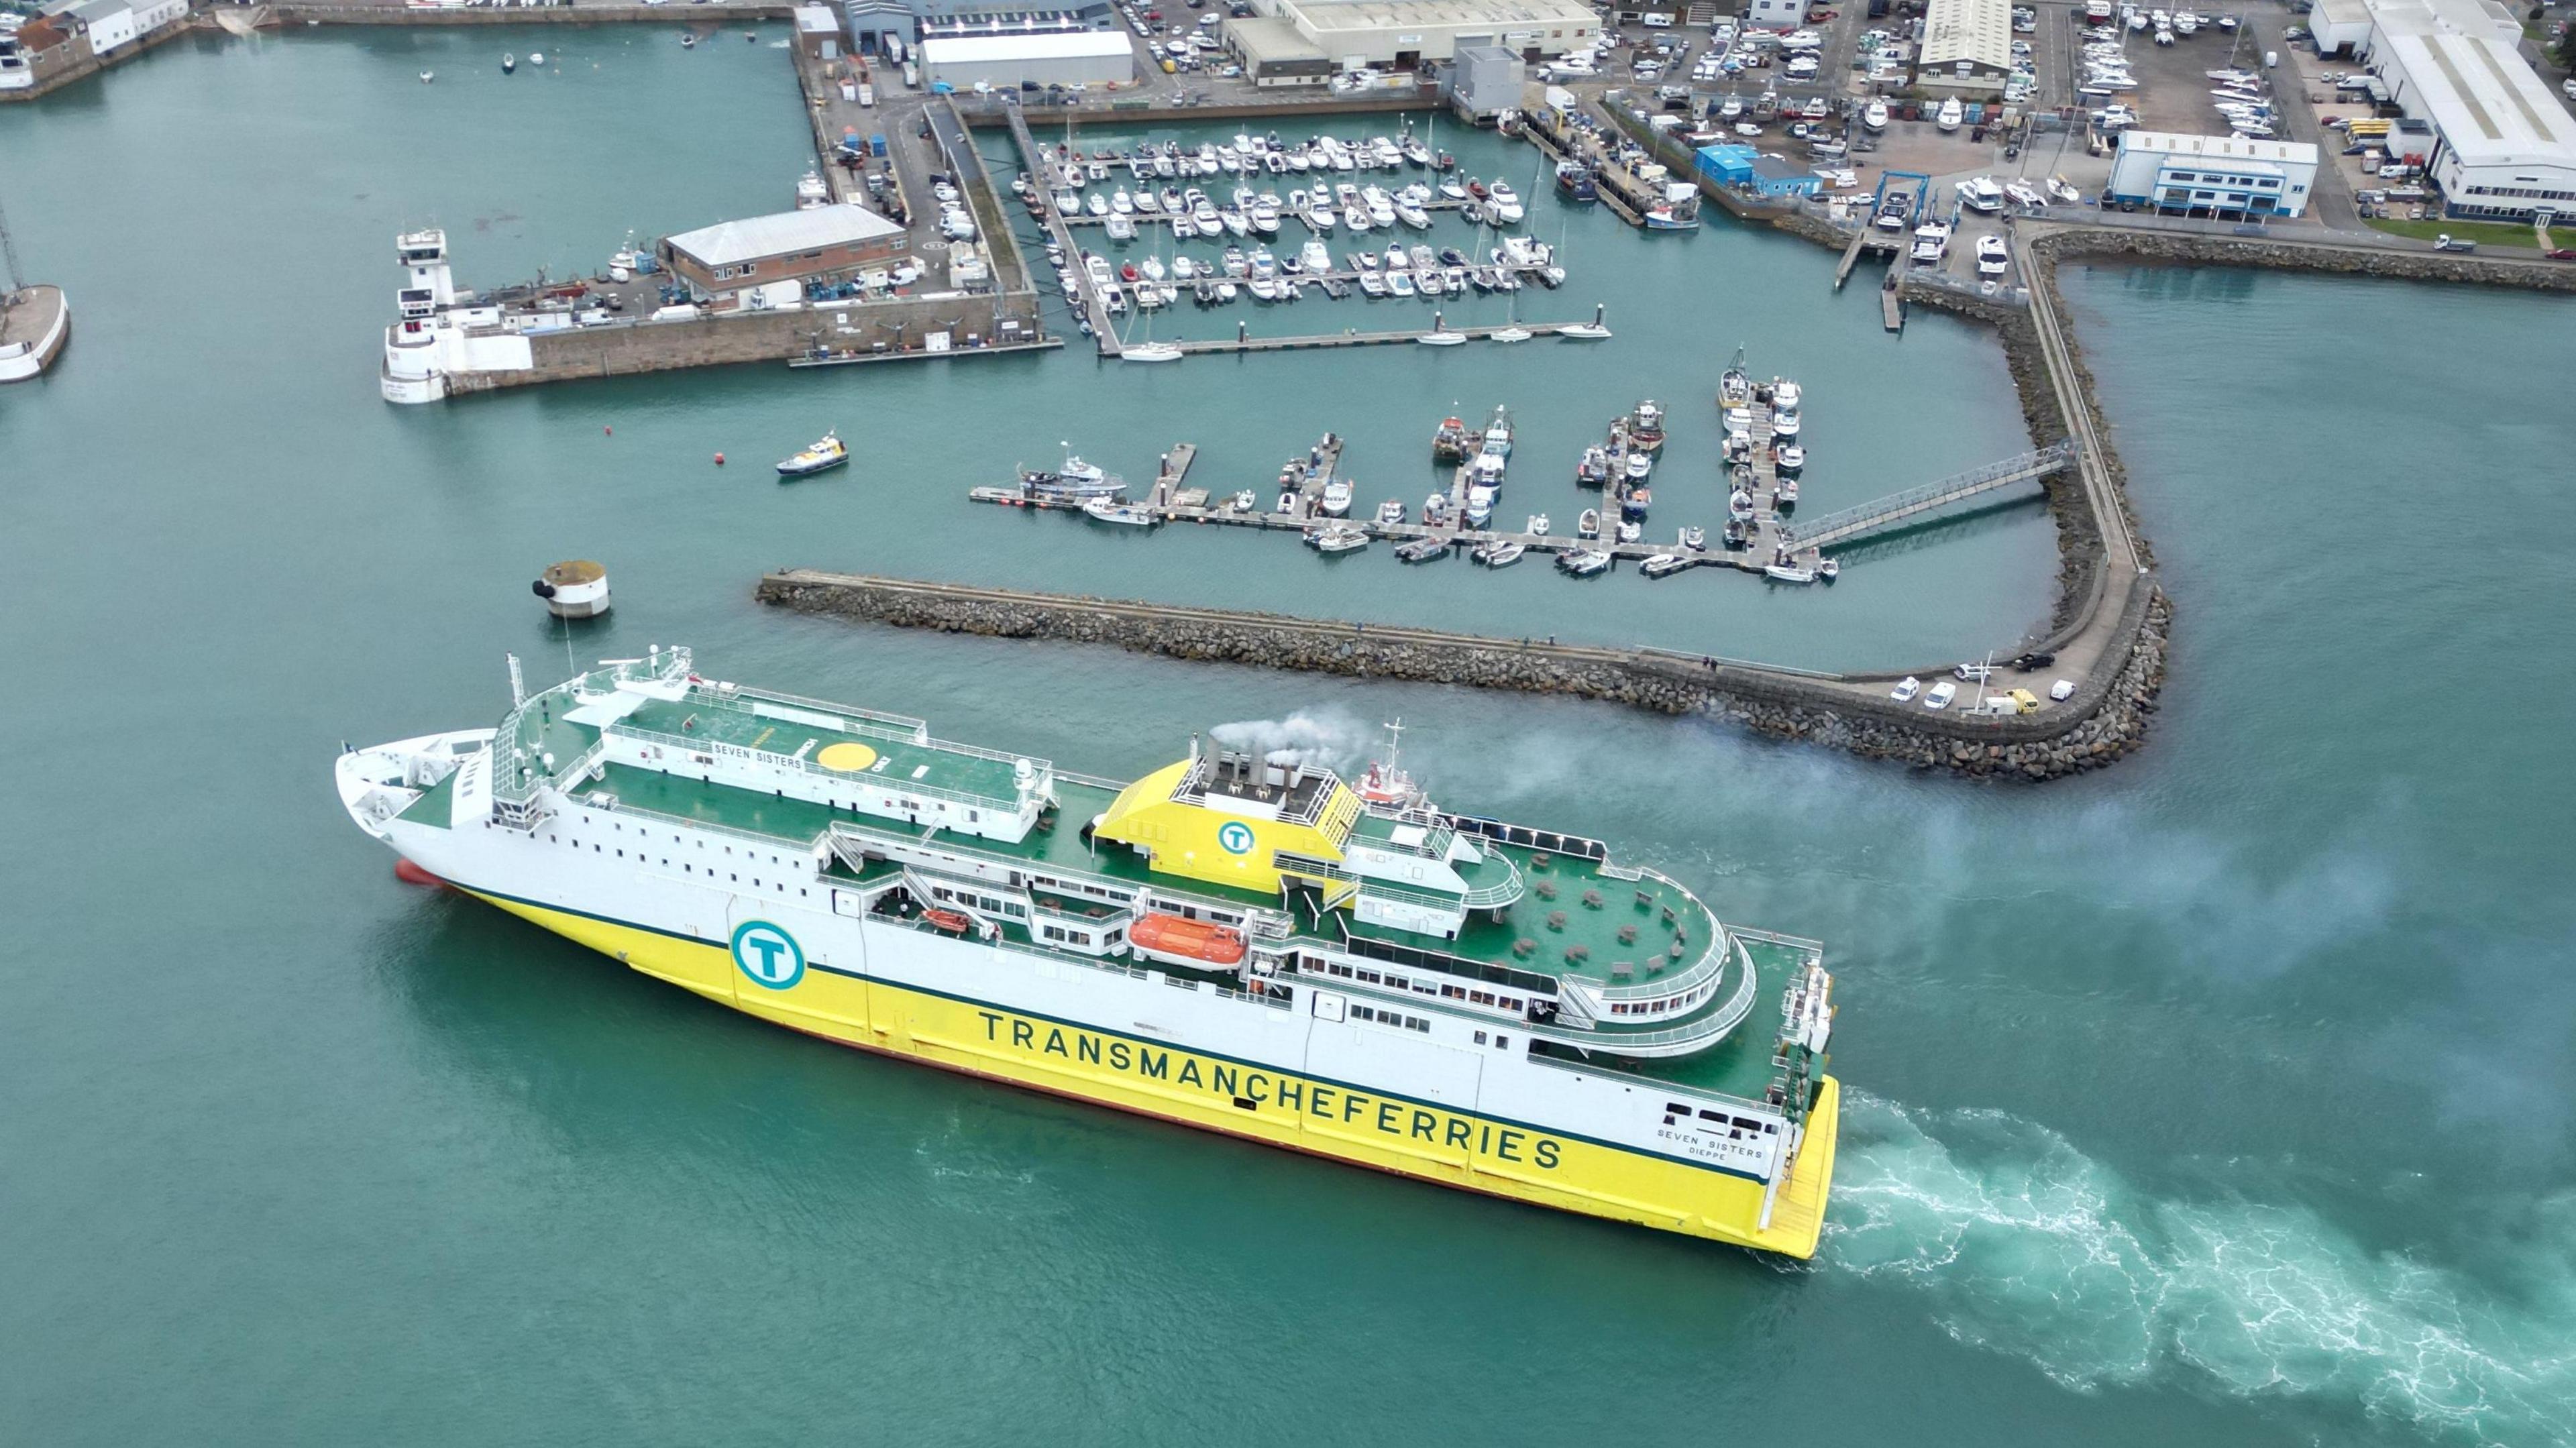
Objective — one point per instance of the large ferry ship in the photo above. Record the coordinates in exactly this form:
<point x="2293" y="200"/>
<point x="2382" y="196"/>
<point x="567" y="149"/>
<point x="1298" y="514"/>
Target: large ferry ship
<point x="1247" y="945"/>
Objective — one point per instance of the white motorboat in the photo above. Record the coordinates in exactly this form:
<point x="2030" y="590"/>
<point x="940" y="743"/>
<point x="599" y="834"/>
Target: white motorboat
<point x="1337" y="498"/>
<point x="1442" y="338"/>
<point x="1118" y="513"/>
<point x="1501" y="553"/>
<point x="1789" y="573"/>
<point x="1150" y="352"/>
<point x="427" y="76"/>
<point x="1246" y="501"/>
<point x="1873" y="117"/>
<point x="1790" y="457"/>
<point x="536" y="57"/>
<point x="1583" y="562"/>
<point x="1664" y="565"/>
<point x="1504" y="204"/>
<point x="1537" y="525"/>
<point x="1981" y="194"/>
<point x="1390" y="512"/>
<point x="1951" y="114"/>
<point x="1337" y="538"/>
<point x="1584" y="332"/>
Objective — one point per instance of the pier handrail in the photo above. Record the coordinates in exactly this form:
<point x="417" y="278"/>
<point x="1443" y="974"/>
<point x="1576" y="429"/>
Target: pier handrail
<point x="1853" y="521"/>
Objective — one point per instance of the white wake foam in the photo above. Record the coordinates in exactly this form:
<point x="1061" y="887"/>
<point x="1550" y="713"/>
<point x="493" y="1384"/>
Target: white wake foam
<point x="2028" y="1247"/>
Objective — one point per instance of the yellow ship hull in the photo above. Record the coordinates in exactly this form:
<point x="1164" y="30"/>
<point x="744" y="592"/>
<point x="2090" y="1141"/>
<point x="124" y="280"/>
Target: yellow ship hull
<point x="1320" y="1116"/>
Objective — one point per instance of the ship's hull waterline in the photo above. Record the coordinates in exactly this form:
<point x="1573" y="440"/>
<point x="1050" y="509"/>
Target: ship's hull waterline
<point x="1172" y="1081"/>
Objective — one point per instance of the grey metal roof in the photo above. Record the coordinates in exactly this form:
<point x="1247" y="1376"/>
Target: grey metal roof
<point x="730" y="242"/>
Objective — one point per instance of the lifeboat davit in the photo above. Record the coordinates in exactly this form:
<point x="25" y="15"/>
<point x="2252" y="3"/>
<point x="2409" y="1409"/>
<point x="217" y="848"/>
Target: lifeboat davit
<point x="1187" y="939"/>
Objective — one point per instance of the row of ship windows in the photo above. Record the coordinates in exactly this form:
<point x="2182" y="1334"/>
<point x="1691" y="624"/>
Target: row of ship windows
<point x="732" y="877"/>
<point x="1454" y="992"/>
<point x="1678" y="1114"/>
<point x="1077" y="937"/>
<point x="1392" y="1018"/>
<point x="1666" y="1006"/>
<point x="986" y="903"/>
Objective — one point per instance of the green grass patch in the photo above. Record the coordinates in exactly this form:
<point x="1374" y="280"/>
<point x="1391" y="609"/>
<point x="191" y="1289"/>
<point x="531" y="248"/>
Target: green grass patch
<point x="2484" y="233"/>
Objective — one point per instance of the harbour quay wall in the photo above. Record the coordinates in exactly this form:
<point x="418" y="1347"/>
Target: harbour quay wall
<point x="626" y="349"/>
<point x="2105" y="720"/>
<point x="394" y="12"/>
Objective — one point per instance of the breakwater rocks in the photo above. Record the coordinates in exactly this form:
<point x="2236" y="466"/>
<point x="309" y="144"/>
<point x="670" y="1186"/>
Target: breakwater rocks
<point x="2104" y="721"/>
<point x="2103" y="243"/>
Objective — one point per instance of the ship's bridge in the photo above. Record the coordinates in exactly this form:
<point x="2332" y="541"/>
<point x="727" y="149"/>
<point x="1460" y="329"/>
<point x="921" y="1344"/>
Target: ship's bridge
<point x="1234" y="820"/>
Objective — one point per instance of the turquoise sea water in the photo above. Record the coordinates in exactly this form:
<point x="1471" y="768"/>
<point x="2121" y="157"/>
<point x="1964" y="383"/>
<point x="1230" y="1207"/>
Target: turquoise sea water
<point x="2221" y="1097"/>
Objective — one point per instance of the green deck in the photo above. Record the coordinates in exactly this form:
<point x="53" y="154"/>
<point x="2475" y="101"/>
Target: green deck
<point x="1566" y="936"/>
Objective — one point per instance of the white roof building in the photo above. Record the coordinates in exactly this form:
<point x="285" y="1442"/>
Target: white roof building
<point x="2216" y="175"/>
<point x="1405" y="33"/>
<point x="1063" y="57"/>
<point x="2507" y="147"/>
<point x="785" y="233"/>
<point x="1967" y="45"/>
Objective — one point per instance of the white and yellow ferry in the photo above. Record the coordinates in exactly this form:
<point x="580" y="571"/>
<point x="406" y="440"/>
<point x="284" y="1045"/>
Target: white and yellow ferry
<point x="1254" y="947"/>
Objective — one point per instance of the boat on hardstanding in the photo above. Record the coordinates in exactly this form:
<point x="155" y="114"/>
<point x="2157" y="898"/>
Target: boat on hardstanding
<point x="1241" y="944"/>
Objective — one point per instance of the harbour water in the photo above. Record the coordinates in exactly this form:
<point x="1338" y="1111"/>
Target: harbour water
<point x="2223" y="1096"/>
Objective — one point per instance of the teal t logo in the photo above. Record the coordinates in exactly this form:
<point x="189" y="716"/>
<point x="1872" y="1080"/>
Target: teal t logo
<point x="1235" y="836"/>
<point x="767" y="954"/>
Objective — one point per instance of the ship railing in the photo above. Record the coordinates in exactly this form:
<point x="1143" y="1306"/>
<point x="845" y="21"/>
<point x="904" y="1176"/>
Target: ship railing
<point x="906" y="788"/>
<point x="1675" y="1090"/>
<point x="1712" y="959"/>
<point x="1680" y="1040"/>
<point x="1502" y="892"/>
<point x="868" y="724"/>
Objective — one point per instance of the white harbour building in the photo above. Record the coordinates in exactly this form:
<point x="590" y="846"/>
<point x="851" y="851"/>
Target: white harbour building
<point x="2212" y="175"/>
<point x="1405" y="34"/>
<point x="2488" y="130"/>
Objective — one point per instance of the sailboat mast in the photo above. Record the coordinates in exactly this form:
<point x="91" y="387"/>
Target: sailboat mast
<point x="9" y="254"/>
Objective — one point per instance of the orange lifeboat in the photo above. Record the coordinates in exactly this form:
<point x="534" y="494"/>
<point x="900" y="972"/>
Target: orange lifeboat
<point x="955" y="922"/>
<point x="1189" y="939"/>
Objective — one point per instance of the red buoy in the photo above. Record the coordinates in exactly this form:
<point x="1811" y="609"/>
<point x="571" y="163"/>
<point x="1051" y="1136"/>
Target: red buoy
<point x="612" y="432"/>
<point x="411" y="874"/>
<point x="719" y="459"/>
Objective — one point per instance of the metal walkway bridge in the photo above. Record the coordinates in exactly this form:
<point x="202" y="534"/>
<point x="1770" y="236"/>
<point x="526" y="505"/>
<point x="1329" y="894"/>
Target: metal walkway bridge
<point x="1869" y="517"/>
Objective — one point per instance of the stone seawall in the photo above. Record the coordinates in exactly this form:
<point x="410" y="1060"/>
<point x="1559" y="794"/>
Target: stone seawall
<point x="2105" y="720"/>
<point x="2104" y="243"/>
<point x="622" y="351"/>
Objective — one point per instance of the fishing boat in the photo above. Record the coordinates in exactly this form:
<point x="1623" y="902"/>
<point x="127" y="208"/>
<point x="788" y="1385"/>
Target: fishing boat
<point x="1449" y="442"/>
<point x="1337" y="498"/>
<point x="1594" y="470"/>
<point x="1501" y="553"/>
<point x="1646" y="426"/>
<point x="1638" y="465"/>
<point x="1583" y="562"/>
<point x="1119" y="513"/>
<point x="827" y="452"/>
<point x="1735" y="388"/>
<point x="1574" y="182"/>
<point x="1390" y="512"/>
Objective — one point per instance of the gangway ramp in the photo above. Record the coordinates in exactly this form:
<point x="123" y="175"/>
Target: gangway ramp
<point x="1895" y="508"/>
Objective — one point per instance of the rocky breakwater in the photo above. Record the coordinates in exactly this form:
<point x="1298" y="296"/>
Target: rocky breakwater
<point x="2105" y="720"/>
<point x="2106" y="243"/>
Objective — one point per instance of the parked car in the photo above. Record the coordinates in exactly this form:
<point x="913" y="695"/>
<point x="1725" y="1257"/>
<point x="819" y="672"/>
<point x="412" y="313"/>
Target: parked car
<point x="1941" y="695"/>
<point x="1905" y="691"/>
